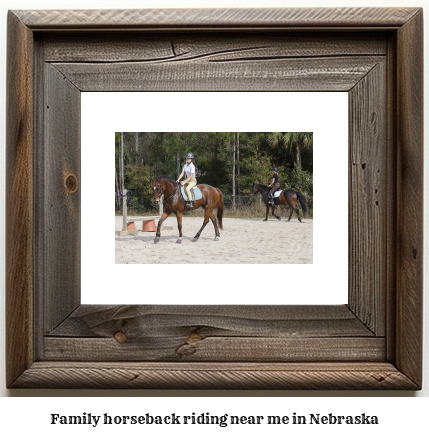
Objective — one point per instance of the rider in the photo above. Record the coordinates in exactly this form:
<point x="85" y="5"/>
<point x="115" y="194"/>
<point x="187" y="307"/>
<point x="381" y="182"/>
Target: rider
<point x="275" y="186"/>
<point x="189" y="169"/>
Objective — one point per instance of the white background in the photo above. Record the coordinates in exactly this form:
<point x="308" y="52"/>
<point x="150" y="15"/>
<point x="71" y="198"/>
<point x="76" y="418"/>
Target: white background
<point x="400" y="413"/>
<point x="318" y="112"/>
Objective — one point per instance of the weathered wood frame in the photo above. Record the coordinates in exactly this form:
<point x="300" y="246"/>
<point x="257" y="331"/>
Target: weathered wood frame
<point x="373" y="342"/>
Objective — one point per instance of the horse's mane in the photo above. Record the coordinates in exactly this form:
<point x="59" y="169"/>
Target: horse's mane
<point x="262" y="186"/>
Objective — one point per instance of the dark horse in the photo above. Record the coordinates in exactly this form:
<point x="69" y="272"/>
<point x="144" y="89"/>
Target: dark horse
<point x="287" y="196"/>
<point x="174" y="203"/>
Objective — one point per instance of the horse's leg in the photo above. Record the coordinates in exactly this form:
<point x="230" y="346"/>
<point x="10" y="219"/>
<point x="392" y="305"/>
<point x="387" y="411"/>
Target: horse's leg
<point x="179" y="216"/>
<point x="266" y="215"/>
<point x="206" y="220"/>
<point x="164" y="216"/>
<point x="297" y="212"/>
<point x="217" y="233"/>
<point x="272" y="213"/>
<point x="292" y="206"/>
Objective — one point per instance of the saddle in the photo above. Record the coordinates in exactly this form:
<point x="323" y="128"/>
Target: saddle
<point x="196" y="193"/>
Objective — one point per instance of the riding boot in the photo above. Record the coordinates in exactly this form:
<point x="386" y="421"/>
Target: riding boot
<point x="271" y="198"/>
<point x="189" y="203"/>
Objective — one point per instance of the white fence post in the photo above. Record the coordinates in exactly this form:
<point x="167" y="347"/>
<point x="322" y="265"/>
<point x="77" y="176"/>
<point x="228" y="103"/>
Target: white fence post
<point x="124" y="210"/>
<point x="161" y="205"/>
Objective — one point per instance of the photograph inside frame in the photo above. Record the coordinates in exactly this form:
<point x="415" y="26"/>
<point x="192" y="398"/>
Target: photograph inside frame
<point x="245" y="197"/>
<point x="226" y="236"/>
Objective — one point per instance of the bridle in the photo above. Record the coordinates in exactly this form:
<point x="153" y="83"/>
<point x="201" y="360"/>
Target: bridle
<point x="158" y="185"/>
<point x="253" y="188"/>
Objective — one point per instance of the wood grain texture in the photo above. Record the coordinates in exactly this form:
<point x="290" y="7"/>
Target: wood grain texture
<point x="61" y="186"/>
<point x="373" y="343"/>
<point x="289" y="18"/>
<point x="248" y="376"/>
<point x="19" y="189"/>
<point x="410" y="216"/>
<point x="224" y="47"/>
<point x="368" y="202"/>
<point x="192" y="348"/>
<point x="330" y="74"/>
<point x="99" y="321"/>
<point x="391" y="193"/>
<point x="213" y="333"/>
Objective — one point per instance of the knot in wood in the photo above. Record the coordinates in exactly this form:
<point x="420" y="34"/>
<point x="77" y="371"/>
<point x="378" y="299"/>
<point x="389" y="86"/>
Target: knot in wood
<point x="193" y="338"/>
<point x="71" y="183"/>
<point x="120" y="337"/>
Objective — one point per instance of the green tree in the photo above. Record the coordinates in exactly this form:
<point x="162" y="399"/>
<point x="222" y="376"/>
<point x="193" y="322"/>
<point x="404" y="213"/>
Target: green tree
<point x="292" y="140"/>
<point x="230" y="161"/>
<point x="255" y="169"/>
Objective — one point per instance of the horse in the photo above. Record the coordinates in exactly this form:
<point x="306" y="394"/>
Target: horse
<point x="174" y="203"/>
<point x="287" y="196"/>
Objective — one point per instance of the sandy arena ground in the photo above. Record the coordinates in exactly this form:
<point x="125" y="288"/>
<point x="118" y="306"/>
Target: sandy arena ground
<point x="243" y="241"/>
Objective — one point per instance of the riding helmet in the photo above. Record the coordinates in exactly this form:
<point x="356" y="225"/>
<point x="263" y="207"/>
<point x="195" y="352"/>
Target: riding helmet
<point x="275" y="169"/>
<point x="190" y="156"/>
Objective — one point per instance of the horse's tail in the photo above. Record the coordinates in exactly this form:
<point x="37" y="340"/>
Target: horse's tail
<point x="303" y="202"/>
<point x="220" y="208"/>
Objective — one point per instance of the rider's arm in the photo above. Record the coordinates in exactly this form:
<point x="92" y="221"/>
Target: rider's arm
<point x="189" y="178"/>
<point x="272" y="182"/>
<point x="181" y="175"/>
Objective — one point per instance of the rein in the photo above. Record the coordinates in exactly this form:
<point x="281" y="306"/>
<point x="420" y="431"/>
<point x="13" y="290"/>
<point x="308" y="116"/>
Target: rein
<point x="261" y="189"/>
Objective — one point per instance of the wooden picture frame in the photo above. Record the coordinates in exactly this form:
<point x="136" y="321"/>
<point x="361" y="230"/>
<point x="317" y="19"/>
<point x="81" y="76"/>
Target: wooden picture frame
<point x="373" y="342"/>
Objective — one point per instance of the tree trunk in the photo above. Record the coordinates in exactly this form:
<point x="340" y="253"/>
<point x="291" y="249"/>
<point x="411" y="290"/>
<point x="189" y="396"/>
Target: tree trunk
<point x="298" y="154"/>
<point x="233" y="172"/>
<point x="124" y="198"/>
<point x="238" y="163"/>
<point x="117" y="199"/>
<point x="136" y="147"/>
<point x="122" y="162"/>
<point x="142" y="139"/>
<point x="179" y="169"/>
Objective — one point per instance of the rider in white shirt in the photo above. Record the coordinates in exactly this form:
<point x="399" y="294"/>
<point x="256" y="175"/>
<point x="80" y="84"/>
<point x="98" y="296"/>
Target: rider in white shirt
<point x="189" y="170"/>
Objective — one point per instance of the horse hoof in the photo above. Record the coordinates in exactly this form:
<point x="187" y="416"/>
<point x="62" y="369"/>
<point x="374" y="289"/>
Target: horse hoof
<point x="156" y="241"/>
<point x="217" y="238"/>
<point x="264" y="220"/>
<point x="195" y="240"/>
<point x="179" y="241"/>
<point x="279" y="219"/>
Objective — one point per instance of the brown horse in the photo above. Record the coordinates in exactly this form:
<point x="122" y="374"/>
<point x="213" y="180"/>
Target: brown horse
<point x="174" y="203"/>
<point x="287" y="196"/>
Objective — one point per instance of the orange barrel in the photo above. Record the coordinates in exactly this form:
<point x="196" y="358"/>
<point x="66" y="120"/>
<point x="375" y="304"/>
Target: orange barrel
<point x="149" y="226"/>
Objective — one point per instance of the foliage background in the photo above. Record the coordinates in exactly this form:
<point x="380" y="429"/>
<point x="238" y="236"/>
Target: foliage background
<point x="231" y="161"/>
